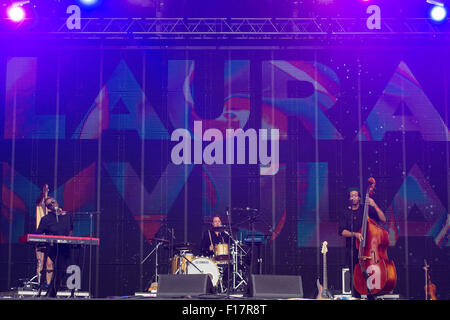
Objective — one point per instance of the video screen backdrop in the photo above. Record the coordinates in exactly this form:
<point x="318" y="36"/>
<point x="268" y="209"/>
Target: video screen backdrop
<point x="99" y="127"/>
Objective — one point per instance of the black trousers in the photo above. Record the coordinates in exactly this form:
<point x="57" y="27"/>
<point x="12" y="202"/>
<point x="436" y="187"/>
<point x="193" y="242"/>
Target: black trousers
<point x="59" y="254"/>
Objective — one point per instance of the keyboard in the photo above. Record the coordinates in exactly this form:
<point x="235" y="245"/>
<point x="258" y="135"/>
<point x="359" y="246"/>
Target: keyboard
<point x="41" y="238"/>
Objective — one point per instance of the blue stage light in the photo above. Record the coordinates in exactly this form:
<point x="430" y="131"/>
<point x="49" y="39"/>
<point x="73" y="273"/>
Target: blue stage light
<point x="438" y="13"/>
<point x="88" y="2"/>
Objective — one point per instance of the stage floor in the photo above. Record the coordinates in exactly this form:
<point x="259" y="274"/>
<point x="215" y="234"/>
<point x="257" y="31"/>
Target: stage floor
<point x="22" y="294"/>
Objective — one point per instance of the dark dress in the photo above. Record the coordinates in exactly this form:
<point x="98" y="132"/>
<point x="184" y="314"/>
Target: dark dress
<point x="59" y="254"/>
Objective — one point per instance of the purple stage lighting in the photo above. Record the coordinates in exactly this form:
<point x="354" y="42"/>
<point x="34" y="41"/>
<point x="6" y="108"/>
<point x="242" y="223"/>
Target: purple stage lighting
<point x="16" y="13"/>
<point x="438" y="13"/>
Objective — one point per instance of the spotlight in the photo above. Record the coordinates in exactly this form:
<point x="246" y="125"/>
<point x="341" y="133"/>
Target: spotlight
<point x="438" y="13"/>
<point x="436" y="2"/>
<point x="16" y="13"/>
<point x="88" y="2"/>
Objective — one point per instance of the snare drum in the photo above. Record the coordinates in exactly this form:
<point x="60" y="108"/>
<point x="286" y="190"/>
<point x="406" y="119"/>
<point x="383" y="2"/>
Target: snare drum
<point x="179" y="263"/>
<point x="202" y="265"/>
<point x="221" y="253"/>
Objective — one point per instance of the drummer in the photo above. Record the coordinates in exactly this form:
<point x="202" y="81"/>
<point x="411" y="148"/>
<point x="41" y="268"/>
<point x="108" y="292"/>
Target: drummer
<point x="213" y="236"/>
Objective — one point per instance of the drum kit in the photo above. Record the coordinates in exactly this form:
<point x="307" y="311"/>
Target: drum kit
<point x="228" y="268"/>
<point x="222" y="263"/>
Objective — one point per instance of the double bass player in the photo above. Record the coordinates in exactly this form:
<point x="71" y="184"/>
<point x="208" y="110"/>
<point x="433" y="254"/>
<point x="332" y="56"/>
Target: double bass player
<point x="350" y="224"/>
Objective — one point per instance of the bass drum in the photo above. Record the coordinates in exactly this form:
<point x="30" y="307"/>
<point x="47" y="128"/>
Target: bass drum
<point x="203" y="265"/>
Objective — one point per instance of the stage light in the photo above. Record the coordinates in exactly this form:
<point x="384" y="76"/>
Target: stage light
<point x="88" y="2"/>
<point x="438" y="13"/>
<point x="16" y="13"/>
<point x="436" y="2"/>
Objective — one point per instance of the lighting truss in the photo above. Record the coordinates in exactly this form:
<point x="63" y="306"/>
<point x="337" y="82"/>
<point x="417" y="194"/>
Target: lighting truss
<point x="226" y="28"/>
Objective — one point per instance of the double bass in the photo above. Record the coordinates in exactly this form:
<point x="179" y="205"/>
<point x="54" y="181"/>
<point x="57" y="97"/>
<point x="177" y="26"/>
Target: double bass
<point x="374" y="274"/>
<point x="430" y="288"/>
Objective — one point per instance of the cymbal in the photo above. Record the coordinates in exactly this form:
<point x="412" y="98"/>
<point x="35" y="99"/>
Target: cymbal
<point x="184" y="246"/>
<point x="223" y="228"/>
<point x="160" y="240"/>
<point x="246" y="209"/>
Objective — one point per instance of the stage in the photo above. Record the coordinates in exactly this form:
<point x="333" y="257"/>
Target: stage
<point x="276" y="146"/>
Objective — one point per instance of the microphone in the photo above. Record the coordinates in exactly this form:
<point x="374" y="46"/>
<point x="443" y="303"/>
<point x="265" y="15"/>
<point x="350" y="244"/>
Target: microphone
<point x="354" y="201"/>
<point x="57" y="213"/>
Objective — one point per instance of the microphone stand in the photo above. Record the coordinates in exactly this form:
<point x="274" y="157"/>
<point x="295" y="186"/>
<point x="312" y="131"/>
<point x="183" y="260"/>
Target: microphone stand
<point x="155" y="249"/>
<point x="252" y="219"/>
<point x="230" y="236"/>
<point x="171" y="243"/>
<point x="90" y="250"/>
<point x="265" y="237"/>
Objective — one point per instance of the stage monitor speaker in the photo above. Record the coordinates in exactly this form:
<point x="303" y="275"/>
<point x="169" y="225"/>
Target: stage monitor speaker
<point x="275" y="286"/>
<point x="182" y="285"/>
